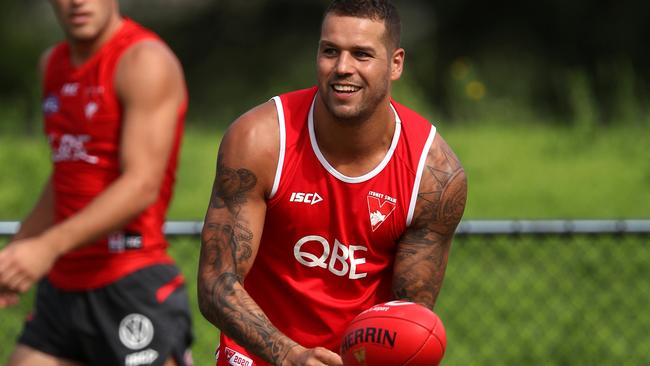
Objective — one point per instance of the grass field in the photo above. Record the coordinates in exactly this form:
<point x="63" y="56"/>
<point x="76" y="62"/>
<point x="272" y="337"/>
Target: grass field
<point x="528" y="171"/>
<point x="510" y="301"/>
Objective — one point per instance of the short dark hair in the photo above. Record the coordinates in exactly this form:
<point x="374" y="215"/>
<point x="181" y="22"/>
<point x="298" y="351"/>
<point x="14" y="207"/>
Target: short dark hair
<point x="382" y="10"/>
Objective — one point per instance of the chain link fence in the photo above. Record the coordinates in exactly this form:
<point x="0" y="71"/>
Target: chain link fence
<point x="515" y="293"/>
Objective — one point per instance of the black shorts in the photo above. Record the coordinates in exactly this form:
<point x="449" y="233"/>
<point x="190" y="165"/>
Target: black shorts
<point x="141" y="319"/>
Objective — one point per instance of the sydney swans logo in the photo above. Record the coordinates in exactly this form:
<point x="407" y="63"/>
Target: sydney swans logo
<point x="380" y="206"/>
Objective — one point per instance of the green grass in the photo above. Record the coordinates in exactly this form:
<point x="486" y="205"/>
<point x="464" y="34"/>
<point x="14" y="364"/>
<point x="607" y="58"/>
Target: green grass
<point x="25" y="167"/>
<point x="535" y="172"/>
<point x="195" y="175"/>
<point x="526" y="172"/>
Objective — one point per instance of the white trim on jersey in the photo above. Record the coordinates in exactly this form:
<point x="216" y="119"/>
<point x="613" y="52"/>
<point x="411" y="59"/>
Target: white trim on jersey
<point x="336" y="173"/>
<point x="418" y="177"/>
<point x="283" y="142"/>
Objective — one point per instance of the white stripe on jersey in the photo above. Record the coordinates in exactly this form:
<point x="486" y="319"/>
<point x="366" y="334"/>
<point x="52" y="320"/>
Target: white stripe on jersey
<point x="418" y="177"/>
<point x="283" y="141"/>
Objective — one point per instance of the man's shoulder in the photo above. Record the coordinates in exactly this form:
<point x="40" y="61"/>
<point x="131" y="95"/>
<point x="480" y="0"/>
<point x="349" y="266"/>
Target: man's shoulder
<point x="146" y="50"/>
<point x="148" y="57"/>
<point x="135" y="43"/>
<point x="252" y="142"/>
<point x="257" y="122"/>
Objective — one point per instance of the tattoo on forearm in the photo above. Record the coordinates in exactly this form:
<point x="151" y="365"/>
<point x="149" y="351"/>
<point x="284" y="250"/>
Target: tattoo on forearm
<point x="423" y="250"/>
<point x="244" y="237"/>
<point x="422" y="270"/>
<point x="243" y="320"/>
<point x="227" y="245"/>
<point x="235" y="313"/>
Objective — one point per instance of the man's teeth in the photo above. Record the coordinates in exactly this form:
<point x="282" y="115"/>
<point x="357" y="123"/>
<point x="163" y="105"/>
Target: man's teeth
<point x="345" y="88"/>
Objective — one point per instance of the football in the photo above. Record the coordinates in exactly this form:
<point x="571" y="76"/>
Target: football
<point x="396" y="333"/>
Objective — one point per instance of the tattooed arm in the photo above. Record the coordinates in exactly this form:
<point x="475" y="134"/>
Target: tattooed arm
<point x="231" y="237"/>
<point x="423" y="250"/>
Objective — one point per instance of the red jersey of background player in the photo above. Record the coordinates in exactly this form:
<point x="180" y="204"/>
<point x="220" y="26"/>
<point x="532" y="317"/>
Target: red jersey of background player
<point x="83" y="122"/>
<point x="328" y="244"/>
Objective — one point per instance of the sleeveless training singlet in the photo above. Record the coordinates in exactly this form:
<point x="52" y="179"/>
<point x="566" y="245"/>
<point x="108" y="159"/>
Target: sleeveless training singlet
<point x="83" y="122"/>
<point x="329" y="240"/>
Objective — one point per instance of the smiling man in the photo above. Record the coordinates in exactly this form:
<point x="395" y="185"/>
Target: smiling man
<point x="327" y="201"/>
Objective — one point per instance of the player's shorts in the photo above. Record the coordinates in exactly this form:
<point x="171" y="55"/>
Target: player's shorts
<point x="141" y="319"/>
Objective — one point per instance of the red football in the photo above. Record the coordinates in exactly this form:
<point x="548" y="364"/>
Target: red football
<point x="393" y="334"/>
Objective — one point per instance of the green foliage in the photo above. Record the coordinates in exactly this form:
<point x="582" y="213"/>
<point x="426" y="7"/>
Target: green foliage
<point x="582" y="103"/>
<point x="196" y="170"/>
<point x="25" y="167"/>
<point x="535" y="171"/>
<point x="466" y="66"/>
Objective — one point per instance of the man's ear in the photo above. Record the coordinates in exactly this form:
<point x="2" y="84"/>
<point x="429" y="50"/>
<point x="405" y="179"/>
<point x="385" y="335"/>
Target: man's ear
<point x="397" y="63"/>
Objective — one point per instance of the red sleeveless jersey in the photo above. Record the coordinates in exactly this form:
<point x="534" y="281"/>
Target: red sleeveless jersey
<point x="329" y="240"/>
<point x="83" y="122"/>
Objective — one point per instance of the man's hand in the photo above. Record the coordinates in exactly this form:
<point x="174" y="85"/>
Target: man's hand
<point x="319" y="356"/>
<point x="22" y="263"/>
<point x="8" y="298"/>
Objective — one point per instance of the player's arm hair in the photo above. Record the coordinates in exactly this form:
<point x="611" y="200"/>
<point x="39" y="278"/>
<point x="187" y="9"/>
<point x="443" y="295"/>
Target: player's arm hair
<point x="231" y="235"/>
<point x="423" y="250"/>
<point x="149" y="84"/>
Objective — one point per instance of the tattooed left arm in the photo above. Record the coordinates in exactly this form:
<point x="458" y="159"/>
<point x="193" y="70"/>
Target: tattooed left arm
<point x="422" y="252"/>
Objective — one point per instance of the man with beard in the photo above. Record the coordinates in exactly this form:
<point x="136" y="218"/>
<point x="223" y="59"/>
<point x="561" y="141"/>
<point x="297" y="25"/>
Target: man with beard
<point x="327" y="201"/>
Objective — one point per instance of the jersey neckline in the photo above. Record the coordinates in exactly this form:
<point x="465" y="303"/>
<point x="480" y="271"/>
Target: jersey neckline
<point x="338" y="175"/>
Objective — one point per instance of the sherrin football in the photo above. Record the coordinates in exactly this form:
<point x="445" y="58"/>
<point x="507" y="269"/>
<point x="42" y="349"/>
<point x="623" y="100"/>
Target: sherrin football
<point x="396" y="333"/>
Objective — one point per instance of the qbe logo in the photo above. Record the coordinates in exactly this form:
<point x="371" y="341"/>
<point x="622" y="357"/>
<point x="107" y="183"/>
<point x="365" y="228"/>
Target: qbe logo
<point x="310" y="198"/>
<point x="340" y="259"/>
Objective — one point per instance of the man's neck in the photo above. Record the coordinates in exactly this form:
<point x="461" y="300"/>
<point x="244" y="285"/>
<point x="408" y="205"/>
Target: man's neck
<point x="354" y="147"/>
<point x="82" y="50"/>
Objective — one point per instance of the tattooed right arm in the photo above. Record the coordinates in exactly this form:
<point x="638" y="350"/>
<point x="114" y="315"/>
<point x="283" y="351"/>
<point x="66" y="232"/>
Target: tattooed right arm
<point x="226" y="255"/>
<point x="230" y="241"/>
<point x="231" y="237"/>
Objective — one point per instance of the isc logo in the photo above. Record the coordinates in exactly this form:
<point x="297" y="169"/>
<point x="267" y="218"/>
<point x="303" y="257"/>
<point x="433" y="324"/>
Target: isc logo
<point x="311" y="198"/>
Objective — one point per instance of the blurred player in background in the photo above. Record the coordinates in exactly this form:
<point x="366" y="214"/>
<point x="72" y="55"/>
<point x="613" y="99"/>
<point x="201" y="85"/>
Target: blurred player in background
<point x="327" y="201"/>
<point x="114" y="102"/>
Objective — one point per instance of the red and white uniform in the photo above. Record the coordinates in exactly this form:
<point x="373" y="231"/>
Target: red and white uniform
<point x="329" y="240"/>
<point x="83" y="122"/>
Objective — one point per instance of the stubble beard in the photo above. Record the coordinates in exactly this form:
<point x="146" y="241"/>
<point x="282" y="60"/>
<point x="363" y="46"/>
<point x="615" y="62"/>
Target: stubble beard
<point x="360" y="112"/>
